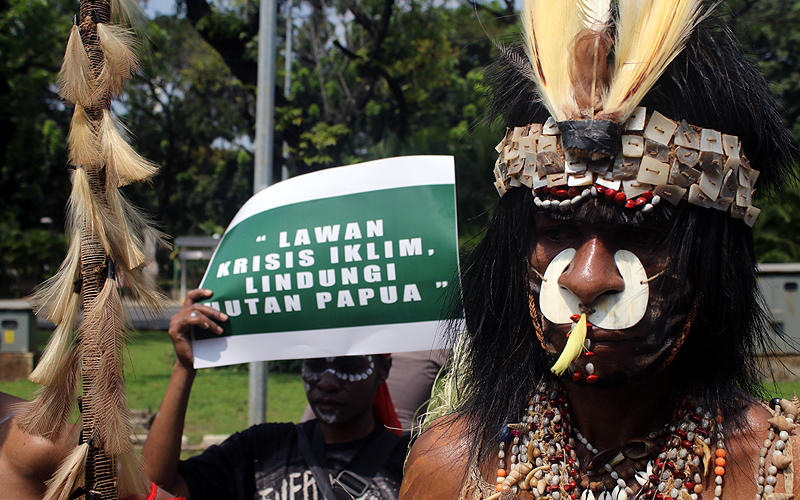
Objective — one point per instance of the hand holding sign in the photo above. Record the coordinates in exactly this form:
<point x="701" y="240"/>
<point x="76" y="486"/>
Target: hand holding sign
<point x="193" y="314"/>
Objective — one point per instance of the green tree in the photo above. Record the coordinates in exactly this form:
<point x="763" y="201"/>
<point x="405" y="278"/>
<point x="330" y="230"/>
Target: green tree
<point x="375" y="78"/>
<point x="770" y="33"/>
<point x="189" y="114"/>
<point x="34" y="181"/>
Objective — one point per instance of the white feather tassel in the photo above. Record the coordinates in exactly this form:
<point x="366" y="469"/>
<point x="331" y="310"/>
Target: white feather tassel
<point x="130" y="478"/>
<point x="69" y="475"/>
<point x="128" y="12"/>
<point x="120" y="60"/>
<point x="83" y="209"/>
<point x="84" y="149"/>
<point x="58" y="347"/>
<point x="74" y="79"/>
<point x="127" y="246"/>
<point x="123" y="164"/>
<point x="55" y="297"/>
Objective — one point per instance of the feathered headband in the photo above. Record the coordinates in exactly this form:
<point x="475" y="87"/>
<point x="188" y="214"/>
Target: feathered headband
<point x="599" y="141"/>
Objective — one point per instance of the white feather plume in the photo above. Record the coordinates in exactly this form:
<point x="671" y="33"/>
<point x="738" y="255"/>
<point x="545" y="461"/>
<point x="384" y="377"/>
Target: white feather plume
<point x="650" y="33"/>
<point x="596" y="13"/>
<point x="548" y="50"/>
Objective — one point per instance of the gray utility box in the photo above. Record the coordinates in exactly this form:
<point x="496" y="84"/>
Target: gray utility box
<point x="17" y="326"/>
<point x="780" y="285"/>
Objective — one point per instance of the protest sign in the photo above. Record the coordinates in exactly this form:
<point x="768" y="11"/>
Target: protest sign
<point x="351" y="260"/>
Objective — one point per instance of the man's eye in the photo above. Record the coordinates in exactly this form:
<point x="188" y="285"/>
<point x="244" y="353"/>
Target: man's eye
<point x="556" y="235"/>
<point x="351" y="367"/>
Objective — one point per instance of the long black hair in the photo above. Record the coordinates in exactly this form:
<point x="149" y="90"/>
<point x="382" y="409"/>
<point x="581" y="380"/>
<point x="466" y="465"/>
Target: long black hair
<point x="712" y="262"/>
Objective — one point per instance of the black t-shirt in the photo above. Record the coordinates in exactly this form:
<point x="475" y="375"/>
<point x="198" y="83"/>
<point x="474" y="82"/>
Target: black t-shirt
<point x="264" y="462"/>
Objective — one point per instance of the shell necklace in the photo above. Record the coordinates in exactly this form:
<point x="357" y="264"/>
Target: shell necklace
<point x="537" y="457"/>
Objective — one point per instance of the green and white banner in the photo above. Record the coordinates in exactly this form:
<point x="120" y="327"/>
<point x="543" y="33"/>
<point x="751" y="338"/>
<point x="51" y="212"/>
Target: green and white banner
<point x="350" y="260"/>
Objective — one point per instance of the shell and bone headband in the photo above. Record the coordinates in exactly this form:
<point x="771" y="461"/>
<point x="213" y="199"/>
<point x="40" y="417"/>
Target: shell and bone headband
<point x="591" y="74"/>
<point x="658" y="159"/>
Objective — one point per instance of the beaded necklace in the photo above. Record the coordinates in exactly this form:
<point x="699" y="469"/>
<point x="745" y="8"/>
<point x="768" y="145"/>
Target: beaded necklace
<point x="537" y="456"/>
<point x="784" y="414"/>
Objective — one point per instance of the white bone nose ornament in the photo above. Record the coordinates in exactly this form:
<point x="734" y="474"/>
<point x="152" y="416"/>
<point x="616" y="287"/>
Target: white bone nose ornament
<point x="613" y="311"/>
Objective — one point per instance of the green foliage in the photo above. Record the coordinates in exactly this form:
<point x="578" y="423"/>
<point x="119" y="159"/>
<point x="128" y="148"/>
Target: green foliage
<point x="189" y="115"/>
<point x="34" y="181"/>
<point x="775" y="233"/>
<point x="286" y="366"/>
<point x="770" y="33"/>
<point x="315" y="143"/>
<point x="27" y="257"/>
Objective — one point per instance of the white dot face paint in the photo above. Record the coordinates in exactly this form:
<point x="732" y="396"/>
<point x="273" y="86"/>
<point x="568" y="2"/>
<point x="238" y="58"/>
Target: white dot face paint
<point x="343" y="368"/>
<point x="611" y="311"/>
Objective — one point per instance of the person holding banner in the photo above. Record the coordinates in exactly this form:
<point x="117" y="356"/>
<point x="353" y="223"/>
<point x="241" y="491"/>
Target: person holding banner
<point x="614" y="321"/>
<point x="283" y="461"/>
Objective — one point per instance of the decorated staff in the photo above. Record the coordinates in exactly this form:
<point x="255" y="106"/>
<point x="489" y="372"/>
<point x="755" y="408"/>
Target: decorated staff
<point x="614" y="321"/>
<point x="107" y="241"/>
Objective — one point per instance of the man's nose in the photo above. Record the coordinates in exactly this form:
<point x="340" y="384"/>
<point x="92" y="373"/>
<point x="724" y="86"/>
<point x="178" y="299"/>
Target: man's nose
<point x="592" y="272"/>
<point x="329" y="381"/>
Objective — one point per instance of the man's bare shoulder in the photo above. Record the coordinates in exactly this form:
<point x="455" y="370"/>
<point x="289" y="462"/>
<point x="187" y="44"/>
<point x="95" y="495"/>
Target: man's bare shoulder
<point x="744" y="452"/>
<point x="26" y="461"/>
<point x="442" y="451"/>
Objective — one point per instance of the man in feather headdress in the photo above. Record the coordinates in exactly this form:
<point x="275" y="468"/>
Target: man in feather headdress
<point x="612" y="309"/>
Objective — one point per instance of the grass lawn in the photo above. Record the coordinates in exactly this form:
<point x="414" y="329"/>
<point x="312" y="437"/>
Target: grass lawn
<point x="782" y="389"/>
<point x="219" y="398"/>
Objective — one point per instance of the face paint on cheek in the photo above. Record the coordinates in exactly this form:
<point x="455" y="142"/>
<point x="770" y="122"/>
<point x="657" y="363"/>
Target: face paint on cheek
<point x="615" y="311"/>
